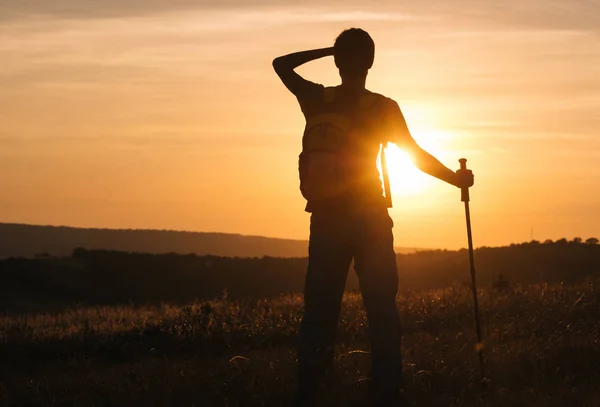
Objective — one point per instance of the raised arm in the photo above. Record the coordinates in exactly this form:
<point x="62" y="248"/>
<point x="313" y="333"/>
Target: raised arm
<point x="422" y="159"/>
<point x="285" y="65"/>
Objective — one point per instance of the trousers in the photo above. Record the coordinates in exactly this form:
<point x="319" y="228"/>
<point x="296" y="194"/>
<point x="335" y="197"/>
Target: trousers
<point x="337" y="238"/>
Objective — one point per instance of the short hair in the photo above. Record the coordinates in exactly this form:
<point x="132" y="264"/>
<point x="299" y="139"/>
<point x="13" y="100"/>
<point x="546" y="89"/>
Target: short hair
<point x="354" y="51"/>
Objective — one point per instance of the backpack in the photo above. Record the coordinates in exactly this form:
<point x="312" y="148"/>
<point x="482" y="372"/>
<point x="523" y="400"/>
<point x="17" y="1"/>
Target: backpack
<point x="324" y="164"/>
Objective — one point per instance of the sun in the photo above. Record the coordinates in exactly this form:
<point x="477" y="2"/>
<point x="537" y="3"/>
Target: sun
<point x="405" y="178"/>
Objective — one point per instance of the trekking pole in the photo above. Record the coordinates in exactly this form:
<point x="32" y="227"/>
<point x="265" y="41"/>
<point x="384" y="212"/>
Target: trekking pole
<point x="464" y="197"/>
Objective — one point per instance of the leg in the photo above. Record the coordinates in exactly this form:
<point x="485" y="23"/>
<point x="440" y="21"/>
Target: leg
<point x="328" y="264"/>
<point x="375" y="265"/>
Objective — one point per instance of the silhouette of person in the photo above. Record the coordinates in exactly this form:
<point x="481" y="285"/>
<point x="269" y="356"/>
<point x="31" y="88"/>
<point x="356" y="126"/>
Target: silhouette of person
<point x="353" y="222"/>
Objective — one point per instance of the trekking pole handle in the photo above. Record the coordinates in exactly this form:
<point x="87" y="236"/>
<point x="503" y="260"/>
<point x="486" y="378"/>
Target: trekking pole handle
<point x="464" y="192"/>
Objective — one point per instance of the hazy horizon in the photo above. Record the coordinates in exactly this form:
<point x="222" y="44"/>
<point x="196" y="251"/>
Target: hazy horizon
<point x="168" y="115"/>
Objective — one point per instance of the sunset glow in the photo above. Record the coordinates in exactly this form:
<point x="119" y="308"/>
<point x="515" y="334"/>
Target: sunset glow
<point x="405" y="178"/>
<point x="168" y="114"/>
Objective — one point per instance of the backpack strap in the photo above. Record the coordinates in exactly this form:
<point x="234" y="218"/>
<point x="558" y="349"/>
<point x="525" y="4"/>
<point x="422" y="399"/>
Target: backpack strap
<point x="386" y="177"/>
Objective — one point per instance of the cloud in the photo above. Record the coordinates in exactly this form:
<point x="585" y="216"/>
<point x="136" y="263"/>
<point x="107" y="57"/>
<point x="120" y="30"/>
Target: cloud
<point x="557" y="14"/>
<point x="466" y="57"/>
<point x="11" y="10"/>
<point x="90" y="9"/>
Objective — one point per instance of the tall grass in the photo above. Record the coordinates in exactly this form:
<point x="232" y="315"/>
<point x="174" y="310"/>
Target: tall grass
<point x="542" y="348"/>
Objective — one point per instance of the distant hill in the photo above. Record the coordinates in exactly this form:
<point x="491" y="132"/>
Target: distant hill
<point x="18" y="240"/>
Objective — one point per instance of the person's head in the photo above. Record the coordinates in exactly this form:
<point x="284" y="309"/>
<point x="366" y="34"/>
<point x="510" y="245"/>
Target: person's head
<point x="354" y="52"/>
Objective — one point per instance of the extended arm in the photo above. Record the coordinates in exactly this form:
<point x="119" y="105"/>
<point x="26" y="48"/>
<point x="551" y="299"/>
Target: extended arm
<point x="431" y="165"/>
<point x="285" y="65"/>
<point x="422" y="159"/>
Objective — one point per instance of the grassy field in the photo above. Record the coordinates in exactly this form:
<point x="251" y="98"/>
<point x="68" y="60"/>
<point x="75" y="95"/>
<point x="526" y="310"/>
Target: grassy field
<point x="542" y="349"/>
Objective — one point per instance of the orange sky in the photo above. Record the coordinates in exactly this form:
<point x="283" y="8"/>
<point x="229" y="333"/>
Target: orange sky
<point x="167" y="114"/>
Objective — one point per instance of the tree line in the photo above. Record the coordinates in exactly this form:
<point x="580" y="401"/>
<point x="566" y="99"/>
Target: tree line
<point x="108" y="277"/>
